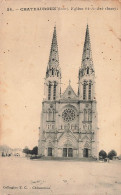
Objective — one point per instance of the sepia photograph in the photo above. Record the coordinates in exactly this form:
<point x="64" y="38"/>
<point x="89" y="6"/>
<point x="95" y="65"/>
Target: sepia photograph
<point x="60" y="97"/>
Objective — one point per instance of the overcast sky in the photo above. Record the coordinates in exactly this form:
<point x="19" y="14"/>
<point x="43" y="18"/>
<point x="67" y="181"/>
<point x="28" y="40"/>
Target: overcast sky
<point x="25" y="40"/>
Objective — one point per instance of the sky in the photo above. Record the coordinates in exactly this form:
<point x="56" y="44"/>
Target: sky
<point x="25" y="40"/>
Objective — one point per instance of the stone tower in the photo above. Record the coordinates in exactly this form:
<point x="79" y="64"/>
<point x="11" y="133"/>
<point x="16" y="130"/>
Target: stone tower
<point x="86" y="93"/>
<point x="53" y="73"/>
<point x="69" y="120"/>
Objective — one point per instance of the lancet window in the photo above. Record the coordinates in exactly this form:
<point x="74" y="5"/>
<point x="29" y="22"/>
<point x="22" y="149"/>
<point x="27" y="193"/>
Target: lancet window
<point x="89" y="92"/>
<point x="51" y="115"/>
<point x="49" y="90"/>
<point x="85" y="115"/>
<point x="89" y="115"/>
<point x="84" y="91"/>
<point x="54" y="91"/>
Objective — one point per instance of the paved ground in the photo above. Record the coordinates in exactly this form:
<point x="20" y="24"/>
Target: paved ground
<point x="23" y="176"/>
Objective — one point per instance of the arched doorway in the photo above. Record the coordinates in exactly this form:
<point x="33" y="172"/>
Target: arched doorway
<point x="85" y="152"/>
<point x="64" y="152"/>
<point x="70" y="152"/>
<point x="49" y="151"/>
<point x="67" y="152"/>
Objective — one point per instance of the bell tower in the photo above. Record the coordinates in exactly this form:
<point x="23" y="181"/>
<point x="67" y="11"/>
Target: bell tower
<point x="53" y="72"/>
<point x="86" y="76"/>
<point x="86" y="94"/>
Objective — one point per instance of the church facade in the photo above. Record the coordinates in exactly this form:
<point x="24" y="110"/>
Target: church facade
<point x="69" y="120"/>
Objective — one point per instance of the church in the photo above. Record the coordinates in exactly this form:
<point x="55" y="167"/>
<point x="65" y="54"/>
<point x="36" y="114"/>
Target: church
<point x="69" y="120"/>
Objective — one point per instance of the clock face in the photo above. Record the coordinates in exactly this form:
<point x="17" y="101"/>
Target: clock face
<point x="68" y="115"/>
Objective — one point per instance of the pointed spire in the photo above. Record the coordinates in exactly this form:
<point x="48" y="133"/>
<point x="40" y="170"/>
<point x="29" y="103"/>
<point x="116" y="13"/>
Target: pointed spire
<point x="87" y="53"/>
<point x="87" y="62"/>
<point x="54" y="57"/>
<point x="53" y="68"/>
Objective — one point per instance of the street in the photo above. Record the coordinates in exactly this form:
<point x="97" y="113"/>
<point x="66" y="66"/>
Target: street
<point x="33" y="177"/>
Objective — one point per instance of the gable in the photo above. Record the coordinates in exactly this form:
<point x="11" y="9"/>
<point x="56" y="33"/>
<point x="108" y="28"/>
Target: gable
<point x="67" y="139"/>
<point x="85" y="138"/>
<point x="69" y="93"/>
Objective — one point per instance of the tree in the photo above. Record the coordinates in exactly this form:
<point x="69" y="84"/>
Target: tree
<point x="26" y="150"/>
<point x="111" y="154"/>
<point x="34" y="150"/>
<point x="103" y="154"/>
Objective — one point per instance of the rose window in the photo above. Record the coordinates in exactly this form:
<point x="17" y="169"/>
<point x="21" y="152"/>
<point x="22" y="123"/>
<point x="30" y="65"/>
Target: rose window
<point x="68" y="115"/>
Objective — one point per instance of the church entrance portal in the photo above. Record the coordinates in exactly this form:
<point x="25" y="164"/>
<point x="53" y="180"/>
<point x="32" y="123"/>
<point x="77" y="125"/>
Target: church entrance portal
<point x="49" y="151"/>
<point x="85" y="152"/>
<point x="67" y="152"/>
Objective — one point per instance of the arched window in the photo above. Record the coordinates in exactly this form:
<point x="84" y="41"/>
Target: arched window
<point x="89" y="92"/>
<point x="49" y="91"/>
<point x="54" y="91"/>
<point x="84" y="91"/>
<point x="53" y="117"/>
<point x="49" y="151"/>
<point x="85" y="115"/>
<point x="89" y="115"/>
<point x="52" y="72"/>
<point x="49" y="115"/>
<point x="87" y="70"/>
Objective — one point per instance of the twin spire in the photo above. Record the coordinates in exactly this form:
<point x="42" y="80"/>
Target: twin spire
<point x="87" y="53"/>
<point x="54" y="57"/>
<point x="87" y="62"/>
<point x="53" y="63"/>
